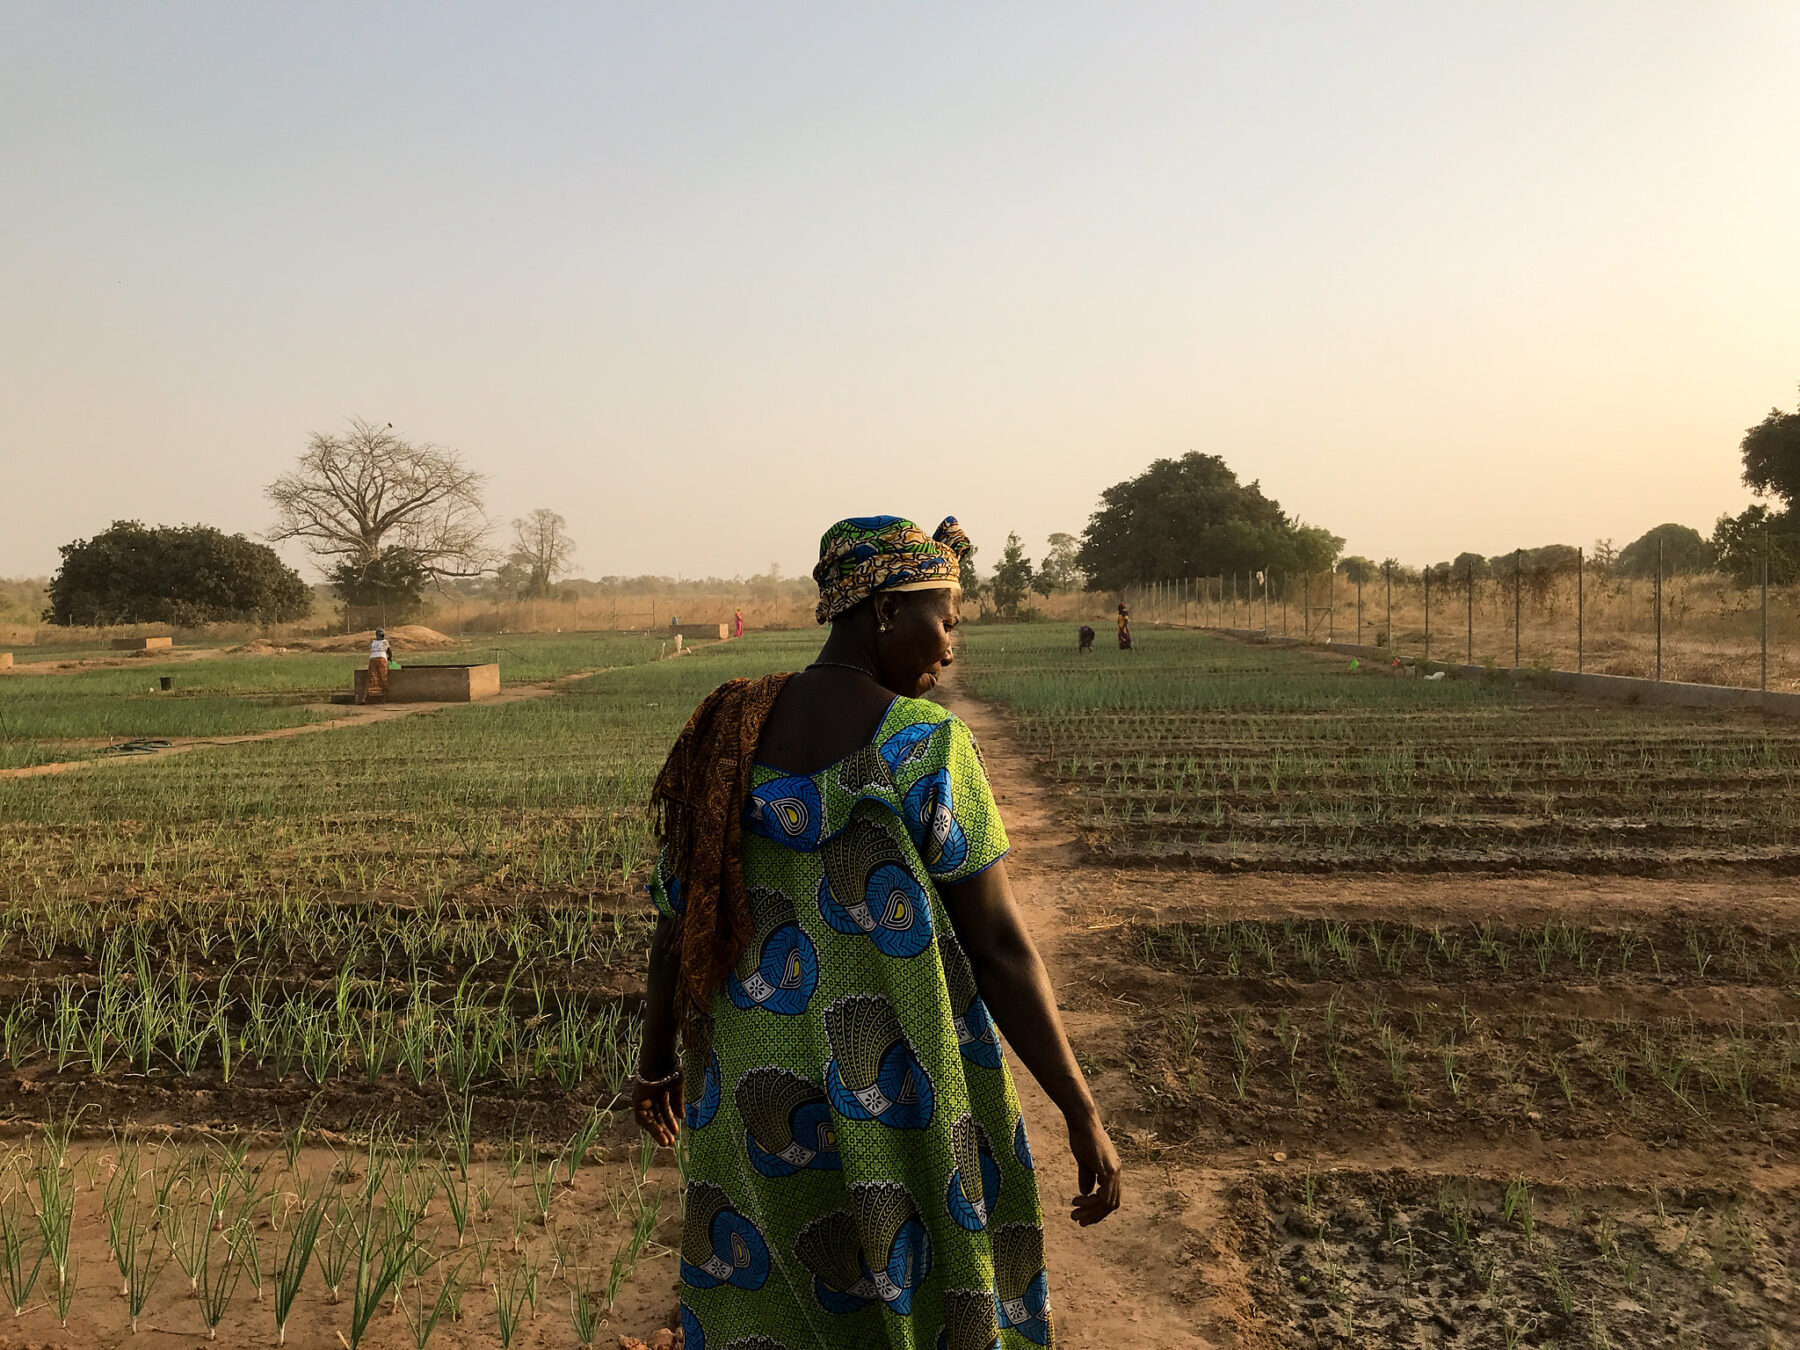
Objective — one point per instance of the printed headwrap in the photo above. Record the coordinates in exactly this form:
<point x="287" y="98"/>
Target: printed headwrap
<point x="866" y="554"/>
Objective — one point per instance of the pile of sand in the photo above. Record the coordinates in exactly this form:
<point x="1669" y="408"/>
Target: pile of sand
<point x="408" y="637"/>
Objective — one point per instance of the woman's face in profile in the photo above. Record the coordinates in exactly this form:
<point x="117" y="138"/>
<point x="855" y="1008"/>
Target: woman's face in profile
<point x="918" y="643"/>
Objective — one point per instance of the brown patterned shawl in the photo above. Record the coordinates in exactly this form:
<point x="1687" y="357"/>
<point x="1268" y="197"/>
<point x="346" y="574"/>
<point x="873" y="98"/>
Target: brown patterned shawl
<point x="697" y="809"/>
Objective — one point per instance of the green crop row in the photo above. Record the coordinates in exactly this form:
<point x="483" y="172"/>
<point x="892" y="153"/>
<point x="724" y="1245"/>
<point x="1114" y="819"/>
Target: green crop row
<point x="545" y="794"/>
<point x="1243" y="755"/>
<point x="1338" y="949"/>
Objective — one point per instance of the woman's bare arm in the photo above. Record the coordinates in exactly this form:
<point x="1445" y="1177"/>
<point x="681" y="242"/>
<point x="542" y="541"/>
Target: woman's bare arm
<point x="657" y="1104"/>
<point x="1016" y="988"/>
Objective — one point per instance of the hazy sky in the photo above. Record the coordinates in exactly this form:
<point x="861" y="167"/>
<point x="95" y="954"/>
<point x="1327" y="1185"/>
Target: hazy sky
<point x="706" y="277"/>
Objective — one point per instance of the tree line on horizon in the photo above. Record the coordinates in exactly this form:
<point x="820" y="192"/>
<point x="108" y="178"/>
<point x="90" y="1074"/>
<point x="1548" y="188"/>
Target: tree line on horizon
<point x="385" y="518"/>
<point x="1191" y="517"/>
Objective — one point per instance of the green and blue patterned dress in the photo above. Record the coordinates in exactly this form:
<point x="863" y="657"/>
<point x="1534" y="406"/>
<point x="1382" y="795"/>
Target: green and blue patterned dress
<point x="859" y="1174"/>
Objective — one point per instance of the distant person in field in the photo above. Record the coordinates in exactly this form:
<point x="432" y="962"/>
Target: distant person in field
<point x="1086" y="636"/>
<point x="737" y="623"/>
<point x="1124" y="628"/>
<point x="839" y="949"/>
<point x="380" y="652"/>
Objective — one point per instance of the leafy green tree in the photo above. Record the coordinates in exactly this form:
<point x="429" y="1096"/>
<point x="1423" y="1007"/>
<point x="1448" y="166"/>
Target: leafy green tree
<point x="1012" y="578"/>
<point x="1771" y="451"/>
<point x="1358" y="571"/>
<point x="1060" y="571"/>
<point x="389" y="588"/>
<point x="1684" y="550"/>
<point x="1741" y="542"/>
<point x="1469" y="567"/>
<point x="970" y="579"/>
<point x="175" y="574"/>
<point x="1191" y="517"/>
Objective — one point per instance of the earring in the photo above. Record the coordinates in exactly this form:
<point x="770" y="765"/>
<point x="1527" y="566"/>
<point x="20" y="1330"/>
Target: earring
<point x="883" y="628"/>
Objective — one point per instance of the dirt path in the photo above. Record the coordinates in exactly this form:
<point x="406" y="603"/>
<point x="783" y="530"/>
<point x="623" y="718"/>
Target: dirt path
<point x="352" y="716"/>
<point x="1156" y="1274"/>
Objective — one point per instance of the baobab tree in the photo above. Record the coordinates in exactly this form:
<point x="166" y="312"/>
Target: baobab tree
<point x="366" y="495"/>
<point x="541" y="551"/>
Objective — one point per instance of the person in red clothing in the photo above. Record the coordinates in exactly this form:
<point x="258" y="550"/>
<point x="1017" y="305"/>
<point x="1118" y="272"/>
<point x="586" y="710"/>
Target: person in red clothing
<point x="737" y="624"/>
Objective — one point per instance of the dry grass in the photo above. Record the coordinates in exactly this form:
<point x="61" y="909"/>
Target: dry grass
<point x="1711" y="628"/>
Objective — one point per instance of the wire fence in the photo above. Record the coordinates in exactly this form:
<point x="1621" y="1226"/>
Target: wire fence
<point x="1706" y="628"/>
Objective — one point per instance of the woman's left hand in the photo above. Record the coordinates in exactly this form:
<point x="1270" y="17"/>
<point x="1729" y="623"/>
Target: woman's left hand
<point x="656" y="1102"/>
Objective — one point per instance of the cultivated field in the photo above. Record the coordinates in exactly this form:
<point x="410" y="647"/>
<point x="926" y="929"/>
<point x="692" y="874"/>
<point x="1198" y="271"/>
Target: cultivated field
<point x="372" y="989"/>
<point x="71" y="703"/>
<point x="1474" y="1010"/>
<point x="1426" y="1013"/>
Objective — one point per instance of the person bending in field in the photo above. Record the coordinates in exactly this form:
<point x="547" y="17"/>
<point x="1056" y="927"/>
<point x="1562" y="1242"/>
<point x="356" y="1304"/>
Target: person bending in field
<point x="381" y="651"/>
<point x="1086" y="637"/>
<point x="839" y="950"/>
<point x="1124" y="628"/>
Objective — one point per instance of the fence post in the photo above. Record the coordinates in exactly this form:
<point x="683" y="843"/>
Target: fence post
<point x="1265" y="601"/>
<point x="1471" y="580"/>
<point x="1331" y="604"/>
<point x="1387" y="624"/>
<point x="1359" y="611"/>
<point x="1580" y="606"/>
<point x="1659" y="570"/>
<point x="1518" y="577"/>
<point x="1306" y="622"/>
<point x="1765" y="611"/>
<point x="1427" y="612"/>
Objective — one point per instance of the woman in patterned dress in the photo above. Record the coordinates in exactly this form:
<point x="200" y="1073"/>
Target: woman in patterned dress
<point x="840" y="949"/>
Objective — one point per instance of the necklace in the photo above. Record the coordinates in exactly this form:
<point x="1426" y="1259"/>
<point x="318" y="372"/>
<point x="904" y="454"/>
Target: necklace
<point x="845" y="665"/>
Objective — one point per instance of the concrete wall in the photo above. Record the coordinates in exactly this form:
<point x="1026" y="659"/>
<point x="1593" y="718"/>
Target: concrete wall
<point x="1631" y="688"/>
<point x="143" y="644"/>
<point x="695" y="632"/>
<point x="5" y="660"/>
<point x="435" y="684"/>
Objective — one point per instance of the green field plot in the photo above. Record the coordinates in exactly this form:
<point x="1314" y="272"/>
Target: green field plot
<point x="1230" y="756"/>
<point x="1436" y="1132"/>
<point x="449" y="901"/>
<point x="347" y="1012"/>
<point x="71" y="714"/>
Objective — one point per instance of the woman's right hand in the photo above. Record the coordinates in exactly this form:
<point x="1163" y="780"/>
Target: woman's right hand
<point x="656" y="1102"/>
<point x="1097" y="1167"/>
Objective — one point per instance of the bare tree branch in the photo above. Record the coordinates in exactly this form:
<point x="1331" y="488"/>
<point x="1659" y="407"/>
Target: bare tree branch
<point x="360" y="492"/>
<point x="541" y="550"/>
